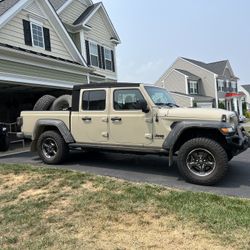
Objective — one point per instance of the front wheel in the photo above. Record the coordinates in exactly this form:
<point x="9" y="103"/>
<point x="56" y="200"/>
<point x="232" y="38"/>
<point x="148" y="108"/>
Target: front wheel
<point x="202" y="161"/>
<point x="52" y="148"/>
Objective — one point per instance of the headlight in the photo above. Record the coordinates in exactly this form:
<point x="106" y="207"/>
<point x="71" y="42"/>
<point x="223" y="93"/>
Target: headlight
<point x="233" y="121"/>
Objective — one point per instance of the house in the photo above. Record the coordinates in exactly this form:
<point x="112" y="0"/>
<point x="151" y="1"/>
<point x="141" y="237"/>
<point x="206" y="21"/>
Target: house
<point x="246" y="90"/>
<point x="199" y="84"/>
<point x="47" y="46"/>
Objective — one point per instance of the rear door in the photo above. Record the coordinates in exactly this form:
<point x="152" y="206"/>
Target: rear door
<point x="90" y="125"/>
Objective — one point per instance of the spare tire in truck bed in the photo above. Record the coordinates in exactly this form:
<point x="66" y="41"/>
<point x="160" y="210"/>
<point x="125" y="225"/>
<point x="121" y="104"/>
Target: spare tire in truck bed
<point x="62" y="103"/>
<point x="44" y="103"/>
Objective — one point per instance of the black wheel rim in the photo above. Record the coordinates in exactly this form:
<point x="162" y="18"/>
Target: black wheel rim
<point x="49" y="148"/>
<point x="201" y="162"/>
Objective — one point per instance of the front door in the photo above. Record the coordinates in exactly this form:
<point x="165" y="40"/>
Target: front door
<point x="90" y="125"/>
<point x="128" y="124"/>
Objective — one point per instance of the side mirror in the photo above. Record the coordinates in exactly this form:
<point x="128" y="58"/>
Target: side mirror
<point x="144" y="106"/>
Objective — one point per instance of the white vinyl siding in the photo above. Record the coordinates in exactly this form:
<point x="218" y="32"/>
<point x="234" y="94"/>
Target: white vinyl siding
<point x="72" y="12"/>
<point x="20" y="69"/>
<point x="12" y="33"/>
<point x="101" y="34"/>
<point x="100" y="31"/>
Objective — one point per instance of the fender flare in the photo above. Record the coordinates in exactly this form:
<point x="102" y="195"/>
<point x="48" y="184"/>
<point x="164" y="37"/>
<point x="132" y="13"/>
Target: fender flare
<point x="177" y="129"/>
<point x="60" y="125"/>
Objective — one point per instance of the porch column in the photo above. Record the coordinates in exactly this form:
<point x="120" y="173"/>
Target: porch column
<point x="240" y="106"/>
<point x="235" y="104"/>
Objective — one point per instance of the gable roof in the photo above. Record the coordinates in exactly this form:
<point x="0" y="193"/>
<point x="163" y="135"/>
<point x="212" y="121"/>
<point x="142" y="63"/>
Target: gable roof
<point x="54" y="19"/>
<point x="246" y="87"/>
<point x="57" y="4"/>
<point x="90" y="12"/>
<point x="6" y="5"/>
<point x="86" y="14"/>
<point x="188" y="74"/>
<point x="214" y="67"/>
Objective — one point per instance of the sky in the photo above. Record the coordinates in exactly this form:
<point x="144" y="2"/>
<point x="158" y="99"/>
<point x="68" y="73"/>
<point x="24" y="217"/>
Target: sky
<point x="155" y="33"/>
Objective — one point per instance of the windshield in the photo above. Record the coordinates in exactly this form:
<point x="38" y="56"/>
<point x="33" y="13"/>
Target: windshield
<point x="160" y="97"/>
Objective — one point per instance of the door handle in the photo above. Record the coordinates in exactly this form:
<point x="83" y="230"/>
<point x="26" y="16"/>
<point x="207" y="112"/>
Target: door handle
<point x="115" y="119"/>
<point x="86" y="119"/>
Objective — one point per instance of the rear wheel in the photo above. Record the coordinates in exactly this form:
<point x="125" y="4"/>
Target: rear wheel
<point x="52" y="148"/>
<point x="202" y="161"/>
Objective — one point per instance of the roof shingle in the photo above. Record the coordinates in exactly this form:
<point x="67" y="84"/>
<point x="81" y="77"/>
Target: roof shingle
<point x="6" y="5"/>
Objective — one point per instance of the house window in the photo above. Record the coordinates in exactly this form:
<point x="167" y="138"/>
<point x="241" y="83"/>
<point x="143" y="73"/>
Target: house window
<point x="193" y="87"/>
<point x="108" y="59"/>
<point x="234" y="86"/>
<point x="94" y="58"/>
<point x="37" y="35"/>
<point x="220" y="85"/>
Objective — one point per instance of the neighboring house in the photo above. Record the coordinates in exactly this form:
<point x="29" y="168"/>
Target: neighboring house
<point x="246" y="90"/>
<point x="199" y="84"/>
<point x="47" y="46"/>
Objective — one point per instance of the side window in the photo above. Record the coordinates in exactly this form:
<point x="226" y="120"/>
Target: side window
<point x="94" y="100"/>
<point x="127" y="99"/>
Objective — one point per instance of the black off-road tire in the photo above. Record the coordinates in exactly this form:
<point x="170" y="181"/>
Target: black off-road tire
<point x="62" y="148"/>
<point x="44" y="103"/>
<point x="62" y="103"/>
<point x="217" y="152"/>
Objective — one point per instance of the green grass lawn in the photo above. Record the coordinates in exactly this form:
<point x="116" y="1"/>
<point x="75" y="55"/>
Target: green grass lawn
<point x="44" y="208"/>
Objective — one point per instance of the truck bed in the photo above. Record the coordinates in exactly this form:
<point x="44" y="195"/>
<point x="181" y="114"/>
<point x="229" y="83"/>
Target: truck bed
<point x="31" y="117"/>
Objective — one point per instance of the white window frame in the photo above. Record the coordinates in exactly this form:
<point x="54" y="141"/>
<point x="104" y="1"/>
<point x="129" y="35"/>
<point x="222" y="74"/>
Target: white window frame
<point x="32" y="35"/>
<point x="220" y="85"/>
<point x="106" y="48"/>
<point x="193" y="87"/>
<point x="234" y="85"/>
<point x="90" y="54"/>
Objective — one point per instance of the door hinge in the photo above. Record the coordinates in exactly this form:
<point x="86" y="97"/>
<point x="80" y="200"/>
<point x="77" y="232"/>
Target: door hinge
<point x="105" y="119"/>
<point x="149" y="120"/>
<point x="105" y="134"/>
<point x="149" y="136"/>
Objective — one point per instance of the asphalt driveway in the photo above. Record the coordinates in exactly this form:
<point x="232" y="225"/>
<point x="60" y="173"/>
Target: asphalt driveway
<point x="149" y="169"/>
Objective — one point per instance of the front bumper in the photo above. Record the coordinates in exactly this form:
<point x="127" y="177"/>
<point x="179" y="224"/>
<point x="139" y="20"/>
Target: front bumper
<point x="238" y="142"/>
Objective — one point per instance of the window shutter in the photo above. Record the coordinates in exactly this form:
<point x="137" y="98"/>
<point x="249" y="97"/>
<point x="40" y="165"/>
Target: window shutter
<point x="46" y="34"/>
<point x="189" y="91"/>
<point x="198" y="83"/>
<point x="103" y="58"/>
<point x="27" y="33"/>
<point x="113" y="60"/>
<point x="87" y="51"/>
<point x="100" y="56"/>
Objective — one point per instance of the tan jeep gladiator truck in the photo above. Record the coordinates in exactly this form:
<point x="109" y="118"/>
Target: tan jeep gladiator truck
<point x="140" y="119"/>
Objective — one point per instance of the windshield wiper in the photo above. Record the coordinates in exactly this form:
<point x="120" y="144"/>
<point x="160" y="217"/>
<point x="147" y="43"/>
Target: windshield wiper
<point x="169" y="104"/>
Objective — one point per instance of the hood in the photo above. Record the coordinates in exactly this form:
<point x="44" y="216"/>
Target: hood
<point x="195" y="113"/>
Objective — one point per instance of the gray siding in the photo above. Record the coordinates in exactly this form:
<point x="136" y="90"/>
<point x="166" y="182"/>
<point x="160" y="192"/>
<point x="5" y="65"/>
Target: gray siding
<point x="183" y="101"/>
<point x="208" y="86"/>
<point x="175" y="81"/>
<point x="12" y="33"/>
<point x="72" y="12"/>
